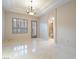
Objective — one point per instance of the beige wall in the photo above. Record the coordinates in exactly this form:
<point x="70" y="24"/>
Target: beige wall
<point x="44" y="29"/>
<point x="65" y="29"/>
<point x="65" y="21"/>
<point x="66" y="24"/>
<point x="9" y="34"/>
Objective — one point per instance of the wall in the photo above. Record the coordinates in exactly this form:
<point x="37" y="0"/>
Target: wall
<point x="65" y="29"/>
<point x="44" y="23"/>
<point x="3" y="24"/>
<point x="66" y="24"/>
<point x="9" y="34"/>
<point x="43" y="29"/>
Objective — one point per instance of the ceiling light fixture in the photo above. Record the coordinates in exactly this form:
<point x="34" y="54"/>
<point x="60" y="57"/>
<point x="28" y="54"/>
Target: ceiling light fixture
<point x="29" y="9"/>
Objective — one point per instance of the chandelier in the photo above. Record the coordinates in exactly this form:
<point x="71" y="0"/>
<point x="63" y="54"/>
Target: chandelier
<point x="29" y="9"/>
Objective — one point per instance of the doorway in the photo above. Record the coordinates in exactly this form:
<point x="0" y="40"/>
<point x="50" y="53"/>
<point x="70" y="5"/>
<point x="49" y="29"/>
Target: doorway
<point x="33" y="29"/>
<point x="51" y="30"/>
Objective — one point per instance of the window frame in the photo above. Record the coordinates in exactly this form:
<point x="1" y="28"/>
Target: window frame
<point x="19" y="27"/>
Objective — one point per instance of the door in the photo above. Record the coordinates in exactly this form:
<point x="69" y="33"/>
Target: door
<point x="33" y="29"/>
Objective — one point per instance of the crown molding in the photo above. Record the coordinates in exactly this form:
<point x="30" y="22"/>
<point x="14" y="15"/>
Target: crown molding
<point x="53" y="6"/>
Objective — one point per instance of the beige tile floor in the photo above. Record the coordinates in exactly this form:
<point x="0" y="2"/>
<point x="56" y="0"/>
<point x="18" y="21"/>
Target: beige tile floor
<point x="36" y="49"/>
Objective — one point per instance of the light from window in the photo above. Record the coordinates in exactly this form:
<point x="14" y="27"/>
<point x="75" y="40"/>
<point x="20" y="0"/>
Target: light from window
<point x="20" y="50"/>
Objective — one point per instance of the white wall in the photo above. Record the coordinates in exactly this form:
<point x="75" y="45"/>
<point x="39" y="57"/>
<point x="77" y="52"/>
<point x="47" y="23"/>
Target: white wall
<point x="43" y="29"/>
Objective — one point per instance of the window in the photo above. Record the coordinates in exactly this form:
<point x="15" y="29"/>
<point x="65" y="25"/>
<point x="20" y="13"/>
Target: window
<point x="19" y="25"/>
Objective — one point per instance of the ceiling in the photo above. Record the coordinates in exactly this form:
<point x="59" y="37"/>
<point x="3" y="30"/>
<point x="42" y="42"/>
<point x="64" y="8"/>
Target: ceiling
<point x="19" y="6"/>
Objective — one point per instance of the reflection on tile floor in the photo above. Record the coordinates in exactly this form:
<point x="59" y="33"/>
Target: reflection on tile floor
<point x="36" y="49"/>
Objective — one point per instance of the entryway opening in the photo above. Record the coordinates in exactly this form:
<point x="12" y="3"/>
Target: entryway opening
<point x="51" y="29"/>
<point x="33" y="29"/>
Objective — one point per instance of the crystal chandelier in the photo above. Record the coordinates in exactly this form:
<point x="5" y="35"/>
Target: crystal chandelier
<point x="30" y="10"/>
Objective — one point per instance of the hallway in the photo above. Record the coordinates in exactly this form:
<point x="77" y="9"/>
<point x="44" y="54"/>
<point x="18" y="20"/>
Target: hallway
<point x="39" y="29"/>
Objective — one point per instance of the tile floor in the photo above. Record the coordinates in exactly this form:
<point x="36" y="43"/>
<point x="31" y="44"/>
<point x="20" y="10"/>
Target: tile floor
<point x="36" y="49"/>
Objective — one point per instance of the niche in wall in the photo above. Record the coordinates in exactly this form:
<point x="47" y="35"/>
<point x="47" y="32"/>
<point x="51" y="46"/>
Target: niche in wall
<point x="51" y="27"/>
<point x="51" y="30"/>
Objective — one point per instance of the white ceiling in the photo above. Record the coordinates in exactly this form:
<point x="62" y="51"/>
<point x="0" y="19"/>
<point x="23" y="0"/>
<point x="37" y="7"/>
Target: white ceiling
<point x="19" y="6"/>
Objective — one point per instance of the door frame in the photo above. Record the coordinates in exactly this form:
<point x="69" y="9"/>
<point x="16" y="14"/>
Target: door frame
<point x="31" y="29"/>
